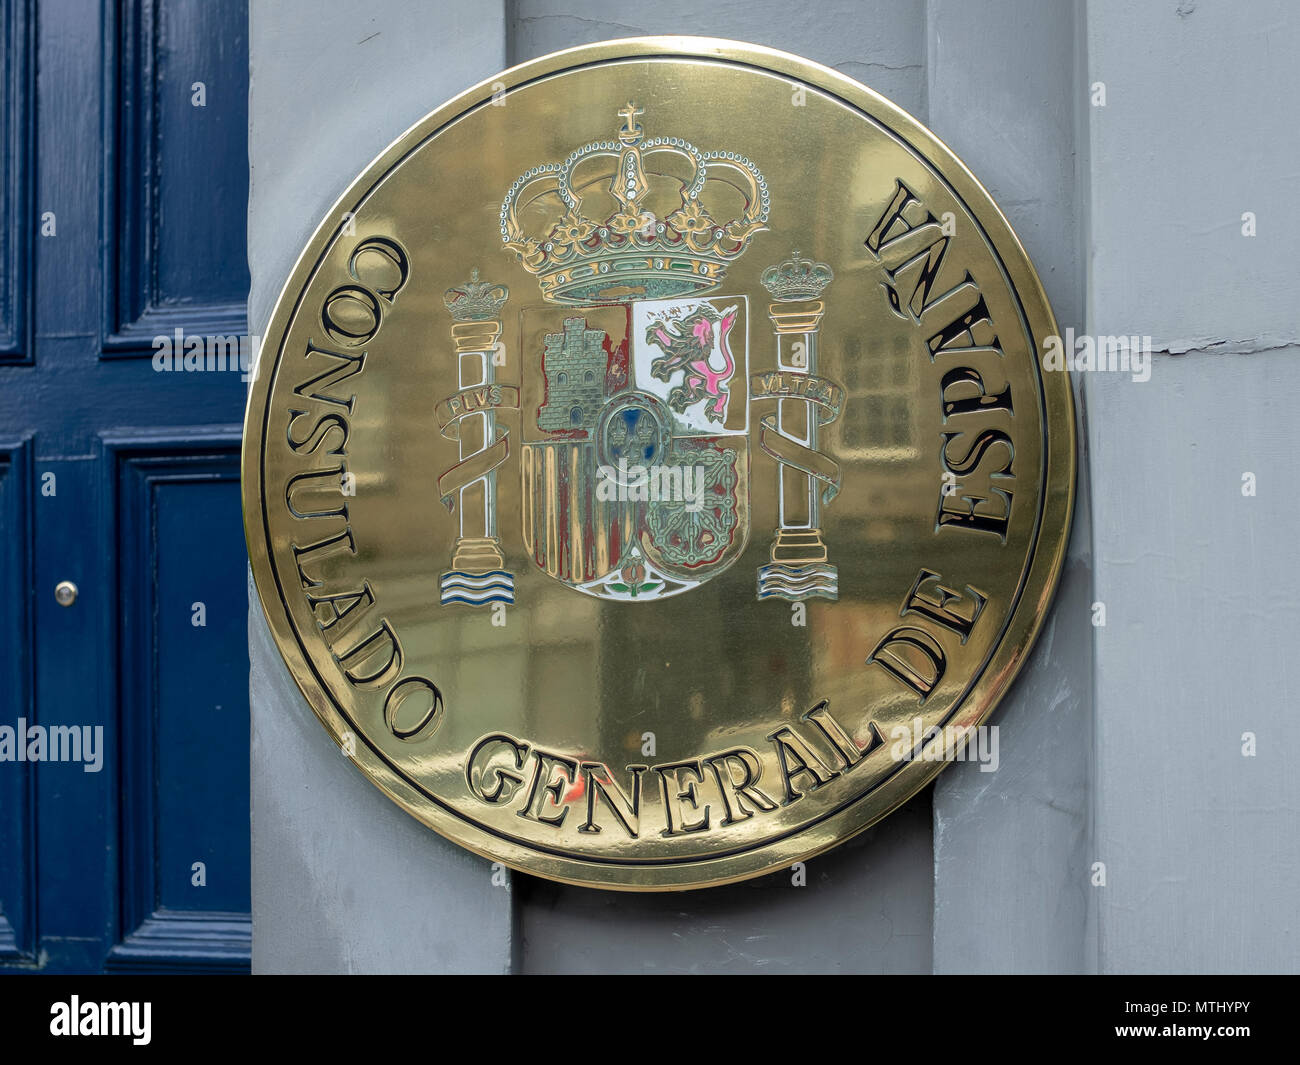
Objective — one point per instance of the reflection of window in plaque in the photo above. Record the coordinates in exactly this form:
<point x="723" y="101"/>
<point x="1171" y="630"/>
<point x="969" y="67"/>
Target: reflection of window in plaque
<point x="878" y="422"/>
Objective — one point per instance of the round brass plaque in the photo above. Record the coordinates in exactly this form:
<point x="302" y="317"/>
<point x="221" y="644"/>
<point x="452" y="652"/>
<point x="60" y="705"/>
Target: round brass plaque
<point x="649" y="475"/>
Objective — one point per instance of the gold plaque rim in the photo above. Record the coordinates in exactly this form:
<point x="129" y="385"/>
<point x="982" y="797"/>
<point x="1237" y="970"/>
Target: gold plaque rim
<point x="1043" y="568"/>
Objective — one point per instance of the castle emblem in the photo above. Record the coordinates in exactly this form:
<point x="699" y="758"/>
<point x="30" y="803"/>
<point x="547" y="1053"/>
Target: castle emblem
<point x="634" y="385"/>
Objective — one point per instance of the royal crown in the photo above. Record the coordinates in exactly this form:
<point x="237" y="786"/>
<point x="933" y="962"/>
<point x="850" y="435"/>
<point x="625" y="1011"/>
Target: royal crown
<point x="796" y="279"/>
<point x="632" y="218"/>
<point x="476" y="301"/>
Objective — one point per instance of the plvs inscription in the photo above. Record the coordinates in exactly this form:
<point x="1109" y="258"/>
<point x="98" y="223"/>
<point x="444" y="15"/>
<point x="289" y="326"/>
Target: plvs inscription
<point x="671" y="799"/>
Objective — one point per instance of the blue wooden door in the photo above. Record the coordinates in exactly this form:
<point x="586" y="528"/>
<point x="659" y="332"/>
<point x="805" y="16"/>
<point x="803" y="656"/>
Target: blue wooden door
<point x="124" y="790"/>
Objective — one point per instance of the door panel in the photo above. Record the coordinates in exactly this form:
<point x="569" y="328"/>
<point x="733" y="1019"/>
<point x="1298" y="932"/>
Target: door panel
<point x="119" y="474"/>
<point x="15" y="181"/>
<point x="176" y="147"/>
<point x="16" y="805"/>
<point x="200" y="589"/>
<point x="182" y="707"/>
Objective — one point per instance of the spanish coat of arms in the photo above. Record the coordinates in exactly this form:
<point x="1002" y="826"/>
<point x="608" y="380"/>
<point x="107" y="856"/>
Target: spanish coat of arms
<point x="636" y="389"/>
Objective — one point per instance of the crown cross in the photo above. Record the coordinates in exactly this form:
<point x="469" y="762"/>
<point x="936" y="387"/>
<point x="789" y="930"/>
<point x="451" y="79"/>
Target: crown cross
<point x="631" y="131"/>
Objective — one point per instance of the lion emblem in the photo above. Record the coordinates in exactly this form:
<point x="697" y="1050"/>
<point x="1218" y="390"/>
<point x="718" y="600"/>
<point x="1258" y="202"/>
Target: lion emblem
<point x="689" y="344"/>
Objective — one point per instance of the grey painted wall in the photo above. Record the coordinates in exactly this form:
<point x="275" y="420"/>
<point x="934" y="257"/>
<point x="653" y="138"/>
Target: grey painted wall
<point x="1120" y="744"/>
<point x="1201" y="844"/>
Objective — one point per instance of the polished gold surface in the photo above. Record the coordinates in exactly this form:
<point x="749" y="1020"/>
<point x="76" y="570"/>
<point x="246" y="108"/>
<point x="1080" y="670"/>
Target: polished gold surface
<point x="644" y="443"/>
